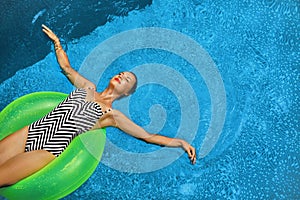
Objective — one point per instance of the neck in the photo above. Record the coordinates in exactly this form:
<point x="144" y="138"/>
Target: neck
<point x="107" y="96"/>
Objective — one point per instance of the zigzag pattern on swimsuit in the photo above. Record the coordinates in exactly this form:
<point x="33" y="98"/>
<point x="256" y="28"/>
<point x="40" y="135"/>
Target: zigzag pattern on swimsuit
<point x="57" y="129"/>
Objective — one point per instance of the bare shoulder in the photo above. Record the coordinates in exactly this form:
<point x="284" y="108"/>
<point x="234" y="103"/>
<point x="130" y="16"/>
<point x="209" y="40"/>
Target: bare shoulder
<point x="128" y="126"/>
<point x="117" y="113"/>
<point x="116" y="116"/>
<point x="111" y="118"/>
<point x="119" y="117"/>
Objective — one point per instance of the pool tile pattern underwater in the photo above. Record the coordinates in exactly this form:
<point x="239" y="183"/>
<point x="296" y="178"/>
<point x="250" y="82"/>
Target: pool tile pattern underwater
<point x="255" y="47"/>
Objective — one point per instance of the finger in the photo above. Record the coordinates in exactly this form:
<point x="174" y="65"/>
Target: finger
<point x="189" y="153"/>
<point x="193" y="159"/>
<point x="192" y="151"/>
<point x="47" y="30"/>
<point x="45" y="27"/>
<point x="47" y="33"/>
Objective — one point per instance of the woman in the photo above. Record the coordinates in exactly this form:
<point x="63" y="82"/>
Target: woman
<point x="32" y="147"/>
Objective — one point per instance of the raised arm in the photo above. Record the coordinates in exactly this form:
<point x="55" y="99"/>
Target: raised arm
<point x="128" y="126"/>
<point x="74" y="77"/>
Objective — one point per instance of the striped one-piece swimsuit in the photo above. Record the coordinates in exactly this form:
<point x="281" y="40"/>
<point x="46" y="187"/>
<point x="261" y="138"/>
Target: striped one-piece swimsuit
<point x="57" y="129"/>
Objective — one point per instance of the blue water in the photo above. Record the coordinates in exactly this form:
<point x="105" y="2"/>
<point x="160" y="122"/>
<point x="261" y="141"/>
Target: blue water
<point x="255" y="47"/>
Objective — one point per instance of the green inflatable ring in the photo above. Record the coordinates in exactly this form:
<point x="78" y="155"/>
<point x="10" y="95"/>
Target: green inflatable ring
<point x="65" y="173"/>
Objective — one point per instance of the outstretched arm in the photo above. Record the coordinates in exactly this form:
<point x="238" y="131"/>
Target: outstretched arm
<point x="126" y="125"/>
<point x="74" y="77"/>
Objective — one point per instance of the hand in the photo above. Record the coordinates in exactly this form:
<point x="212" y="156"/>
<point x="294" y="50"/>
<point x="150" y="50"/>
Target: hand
<point x="190" y="151"/>
<point x="50" y="34"/>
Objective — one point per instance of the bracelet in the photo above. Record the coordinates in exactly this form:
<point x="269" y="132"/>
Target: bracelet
<point x="58" y="48"/>
<point x="57" y="45"/>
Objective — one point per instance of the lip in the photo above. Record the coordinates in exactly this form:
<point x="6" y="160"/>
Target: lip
<point x="118" y="80"/>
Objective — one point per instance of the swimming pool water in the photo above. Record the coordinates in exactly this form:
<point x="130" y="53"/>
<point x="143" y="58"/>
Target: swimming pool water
<point x="255" y="46"/>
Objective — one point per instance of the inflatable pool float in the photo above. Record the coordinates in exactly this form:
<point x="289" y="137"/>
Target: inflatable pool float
<point x="65" y="173"/>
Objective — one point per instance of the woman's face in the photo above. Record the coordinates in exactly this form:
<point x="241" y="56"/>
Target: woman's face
<point x="124" y="82"/>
